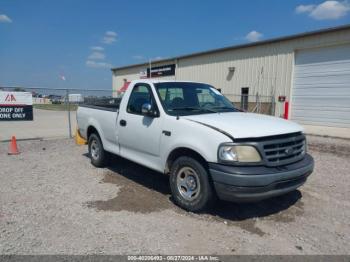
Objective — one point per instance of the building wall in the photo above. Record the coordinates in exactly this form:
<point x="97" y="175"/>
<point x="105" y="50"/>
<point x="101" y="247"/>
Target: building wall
<point x="266" y="69"/>
<point x="133" y="73"/>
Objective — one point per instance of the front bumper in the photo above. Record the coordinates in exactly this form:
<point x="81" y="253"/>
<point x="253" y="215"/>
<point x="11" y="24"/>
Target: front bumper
<point x="255" y="183"/>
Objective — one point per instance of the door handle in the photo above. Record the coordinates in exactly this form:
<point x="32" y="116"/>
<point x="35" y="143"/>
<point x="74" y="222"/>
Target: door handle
<point x="122" y="122"/>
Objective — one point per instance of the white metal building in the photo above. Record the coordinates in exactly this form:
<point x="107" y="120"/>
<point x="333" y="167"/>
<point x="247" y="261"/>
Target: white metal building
<point x="312" y="70"/>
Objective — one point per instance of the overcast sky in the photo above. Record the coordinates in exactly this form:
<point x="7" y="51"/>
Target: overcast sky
<point x="74" y="44"/>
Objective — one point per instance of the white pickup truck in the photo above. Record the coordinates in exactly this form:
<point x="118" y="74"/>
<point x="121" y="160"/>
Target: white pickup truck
<point x="193" y="133"/>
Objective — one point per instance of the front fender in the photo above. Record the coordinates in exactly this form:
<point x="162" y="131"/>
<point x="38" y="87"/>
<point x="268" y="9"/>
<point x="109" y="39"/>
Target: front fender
<point x="193" y="136"/>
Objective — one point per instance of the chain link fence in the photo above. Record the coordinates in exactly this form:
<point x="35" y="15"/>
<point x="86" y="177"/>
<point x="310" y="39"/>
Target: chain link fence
<point x="54" y="110"/>
<point x="254" y="103"/>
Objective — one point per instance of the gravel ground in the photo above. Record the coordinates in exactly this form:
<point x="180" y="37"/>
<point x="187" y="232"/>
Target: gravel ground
<point x="53" y="201"/>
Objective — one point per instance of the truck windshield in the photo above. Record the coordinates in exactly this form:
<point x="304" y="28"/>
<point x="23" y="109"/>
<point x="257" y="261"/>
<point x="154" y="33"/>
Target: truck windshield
<point x="182" y="98"/>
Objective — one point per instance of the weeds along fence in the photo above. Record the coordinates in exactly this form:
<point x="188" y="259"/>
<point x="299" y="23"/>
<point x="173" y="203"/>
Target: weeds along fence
<point x="254" y="103"/>
<point x="54" y="111"/>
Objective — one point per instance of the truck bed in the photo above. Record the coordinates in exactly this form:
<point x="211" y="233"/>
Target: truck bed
<point x="103" y="105"/>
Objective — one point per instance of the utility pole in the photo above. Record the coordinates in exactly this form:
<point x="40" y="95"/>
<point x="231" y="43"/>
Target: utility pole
<point x="150" y="68"/>
<point x="68" y="110"/>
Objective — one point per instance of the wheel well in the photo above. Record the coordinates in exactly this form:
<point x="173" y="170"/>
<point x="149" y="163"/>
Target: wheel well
<point x="183" y="151"/>
<point x="92" y="130"/>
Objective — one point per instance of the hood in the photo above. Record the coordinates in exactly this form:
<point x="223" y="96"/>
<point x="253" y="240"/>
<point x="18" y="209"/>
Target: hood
<point x="247" y="125"/>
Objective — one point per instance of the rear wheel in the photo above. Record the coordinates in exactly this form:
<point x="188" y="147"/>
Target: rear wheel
<point x="190" y="185"/>
<point x="97" y="153"/>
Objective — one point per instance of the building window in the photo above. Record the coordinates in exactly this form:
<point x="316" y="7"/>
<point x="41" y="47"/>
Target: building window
<point x="244" y="98"/>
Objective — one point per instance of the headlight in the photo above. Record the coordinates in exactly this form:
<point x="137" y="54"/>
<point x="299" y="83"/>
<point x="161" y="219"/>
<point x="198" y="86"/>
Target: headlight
<point x="233" y="153"/>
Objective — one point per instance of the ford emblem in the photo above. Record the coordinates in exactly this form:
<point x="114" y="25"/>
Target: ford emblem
<point x="289" y="151"/>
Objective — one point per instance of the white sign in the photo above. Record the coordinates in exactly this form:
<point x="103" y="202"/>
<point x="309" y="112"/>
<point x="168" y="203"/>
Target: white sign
<point x="143" y="74"/>
<point x="16" y="106"/>
<point x="15" y="98"/>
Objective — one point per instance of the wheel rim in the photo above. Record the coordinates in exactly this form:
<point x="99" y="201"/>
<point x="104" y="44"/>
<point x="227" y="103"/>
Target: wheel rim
<point x="95" y="150"/>
<point x="188" y="183"/>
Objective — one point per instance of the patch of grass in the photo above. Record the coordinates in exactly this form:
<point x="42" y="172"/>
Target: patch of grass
<point x="55" y="107"/>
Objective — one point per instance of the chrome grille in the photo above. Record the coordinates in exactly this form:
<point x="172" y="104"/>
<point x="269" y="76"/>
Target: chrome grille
<point x="284" y="150"/>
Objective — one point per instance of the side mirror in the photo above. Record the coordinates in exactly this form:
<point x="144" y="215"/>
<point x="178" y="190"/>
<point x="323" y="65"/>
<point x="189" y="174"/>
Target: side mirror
<point x="148" y="111"/>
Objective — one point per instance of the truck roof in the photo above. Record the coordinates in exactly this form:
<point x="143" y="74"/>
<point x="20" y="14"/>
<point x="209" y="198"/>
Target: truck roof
<point x="155" y="81"/>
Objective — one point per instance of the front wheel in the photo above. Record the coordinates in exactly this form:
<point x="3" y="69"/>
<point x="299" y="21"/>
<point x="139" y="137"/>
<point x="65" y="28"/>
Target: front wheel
<point x="97" y="153"/>
<point x="190" y="185"/>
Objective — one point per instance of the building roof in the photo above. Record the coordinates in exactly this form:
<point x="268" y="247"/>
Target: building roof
<point x="268" y="41"/>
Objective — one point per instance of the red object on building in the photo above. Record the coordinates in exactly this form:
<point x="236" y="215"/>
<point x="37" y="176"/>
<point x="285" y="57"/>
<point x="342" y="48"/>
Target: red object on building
<point x="124" y="87"/>
<point x="286" y="110"/>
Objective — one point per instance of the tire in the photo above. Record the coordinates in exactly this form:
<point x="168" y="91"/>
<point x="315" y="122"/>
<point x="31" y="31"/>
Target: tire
<point x="97" y="154"/>
<point x="190" y="185"/>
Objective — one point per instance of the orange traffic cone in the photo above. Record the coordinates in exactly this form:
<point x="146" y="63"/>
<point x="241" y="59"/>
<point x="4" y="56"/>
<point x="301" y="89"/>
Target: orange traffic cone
<point x="13" y="149"/>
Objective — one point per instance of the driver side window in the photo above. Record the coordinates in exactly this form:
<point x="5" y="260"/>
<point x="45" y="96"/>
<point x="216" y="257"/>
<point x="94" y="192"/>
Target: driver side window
<point x="141" y="94"/>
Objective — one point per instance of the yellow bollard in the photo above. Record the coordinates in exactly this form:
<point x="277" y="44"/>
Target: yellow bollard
<point x="78" y="139"/>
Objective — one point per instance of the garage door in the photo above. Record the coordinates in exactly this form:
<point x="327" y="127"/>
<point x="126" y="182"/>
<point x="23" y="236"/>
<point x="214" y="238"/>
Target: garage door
<point x="321" y="92"/>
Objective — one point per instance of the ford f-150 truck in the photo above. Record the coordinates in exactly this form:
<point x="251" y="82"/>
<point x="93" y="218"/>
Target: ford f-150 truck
<point x="192" y="132"/>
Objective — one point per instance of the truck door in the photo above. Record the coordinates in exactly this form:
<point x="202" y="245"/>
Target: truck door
<point x="139" y="134"/>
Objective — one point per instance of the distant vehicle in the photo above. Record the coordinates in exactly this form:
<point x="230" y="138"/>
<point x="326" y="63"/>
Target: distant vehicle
<point x="75" y="98"/>
<point x="56" y="101"/>
<point x="192" y="132"/>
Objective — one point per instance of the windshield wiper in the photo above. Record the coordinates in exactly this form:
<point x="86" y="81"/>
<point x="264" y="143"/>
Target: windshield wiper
<point x="192" y="108"/>
<point x="225" y="107"/>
